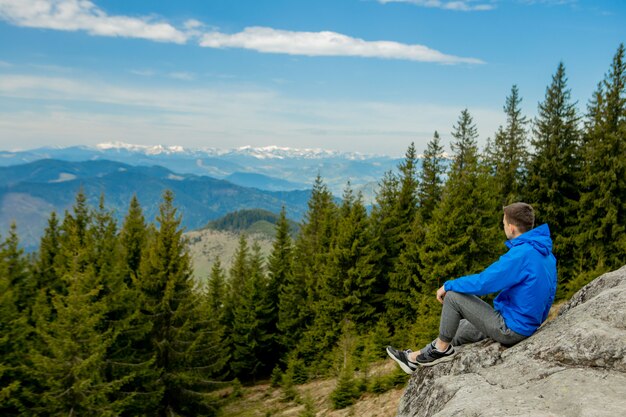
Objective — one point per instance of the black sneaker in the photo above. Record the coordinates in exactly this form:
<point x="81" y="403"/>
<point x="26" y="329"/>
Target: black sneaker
<point x="402" y="357"/>
<point x="431" y="356"/>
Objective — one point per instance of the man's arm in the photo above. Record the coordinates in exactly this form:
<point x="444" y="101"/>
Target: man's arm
<point x="500" y="275"/>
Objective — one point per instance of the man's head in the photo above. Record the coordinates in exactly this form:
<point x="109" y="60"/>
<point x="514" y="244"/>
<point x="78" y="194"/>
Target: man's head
<point x="518" y="218"/>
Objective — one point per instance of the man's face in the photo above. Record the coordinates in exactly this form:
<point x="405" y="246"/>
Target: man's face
<point x="508" y="231"/>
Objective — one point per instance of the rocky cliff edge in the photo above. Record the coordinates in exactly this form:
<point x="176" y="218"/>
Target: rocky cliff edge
<point x="573" y="365"/>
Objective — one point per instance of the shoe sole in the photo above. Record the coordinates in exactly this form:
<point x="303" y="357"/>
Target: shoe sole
<point x="403" y="365"/>
<point x="437" y="361"/>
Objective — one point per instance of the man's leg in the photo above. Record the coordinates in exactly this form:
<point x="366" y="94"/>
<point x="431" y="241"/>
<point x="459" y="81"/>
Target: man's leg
<point x="467" y="333"/>
<point x="484" y="319"/>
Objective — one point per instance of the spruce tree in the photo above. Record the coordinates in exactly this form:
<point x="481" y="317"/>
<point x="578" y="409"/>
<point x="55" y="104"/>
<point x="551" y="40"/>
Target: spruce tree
<point x="385" y="239"/>
<point x="251" y="343"/>
<point x="71" y="361"/>
<point x="15" y="330"/>
<point x="431" y="178"/>
<point x="554" y="171"/>
<point x="602" y="213"/>
<point x="462" y="237"/>
<point x="133" y="236"/>
<point x="509" y="154"/>
<point x="280" y="270"/>
<point x="216" y="290"/>
<point x="187" y="351"/>
<point x="310" y="260"/>
<point x="45" y="269"/>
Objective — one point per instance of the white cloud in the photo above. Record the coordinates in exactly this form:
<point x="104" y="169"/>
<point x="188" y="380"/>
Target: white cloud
<point x="221" y="118"/>
<point x="181" y="75"/>
<point x="269" y="40"/>
<point x="457" y="5"/>
<point x="77" y="15"/>
<point x="4" y="64"/>
<point x="142" y="72"/>
<point x="84" y="15"/>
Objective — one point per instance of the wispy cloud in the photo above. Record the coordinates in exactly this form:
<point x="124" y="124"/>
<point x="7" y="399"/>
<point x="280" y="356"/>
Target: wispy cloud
<point x="83" y="15"/>
<point x="181" y="75"/>
<point x="457" y="5"/>
<point x="269" y="40"/>
<point x="142" y="72"/>
<point x="83" y="111"/>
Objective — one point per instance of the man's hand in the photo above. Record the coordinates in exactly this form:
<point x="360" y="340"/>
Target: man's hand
<point x="440" y="294"/>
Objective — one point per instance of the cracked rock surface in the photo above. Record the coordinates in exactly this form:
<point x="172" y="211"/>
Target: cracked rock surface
<point x="572" y="366"/>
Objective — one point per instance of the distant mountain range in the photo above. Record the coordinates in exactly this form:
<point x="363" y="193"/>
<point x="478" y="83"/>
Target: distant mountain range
<point x="269" y="168"/>
<point x="29" y="192"/>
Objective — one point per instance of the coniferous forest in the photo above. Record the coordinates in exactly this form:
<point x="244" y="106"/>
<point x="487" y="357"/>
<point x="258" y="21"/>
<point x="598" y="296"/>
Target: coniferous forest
<point x="106" y="320"/>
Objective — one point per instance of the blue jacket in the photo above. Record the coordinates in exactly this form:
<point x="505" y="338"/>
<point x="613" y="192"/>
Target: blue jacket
<point x="526" y="277"/>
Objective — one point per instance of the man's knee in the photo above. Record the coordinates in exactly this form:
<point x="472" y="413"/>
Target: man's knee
<point x="452" y="297"/>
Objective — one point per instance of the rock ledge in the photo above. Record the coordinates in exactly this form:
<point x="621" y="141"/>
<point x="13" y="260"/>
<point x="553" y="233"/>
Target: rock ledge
<point x="573" y="366"/>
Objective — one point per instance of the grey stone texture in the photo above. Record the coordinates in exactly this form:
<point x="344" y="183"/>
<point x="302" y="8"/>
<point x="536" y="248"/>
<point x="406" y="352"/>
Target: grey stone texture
<point x="573" y="365"/>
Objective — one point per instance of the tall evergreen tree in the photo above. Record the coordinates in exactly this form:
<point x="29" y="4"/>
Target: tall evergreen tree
<point x="462" y="236"/>
<point x="431" y="178"/>
<point x="133" y="236"/>
<point x="554" y="170"/>
<point x="45" y="269"/>
<point x="407" y="195"/>
<point x="508" y="152"/>
<point x="186" y="354"/>
<point x="251" y="342"/>
<point x="280" y="266"/>
<point x="392" y="217"/>
<point x="70" y="365"/>
<point x="385" y="239"/>
<point x="347" y="280"/>
<point x="15" y="330"/>
<point x="602" y="213"/>
<point x="312" y="250"/>
<point x="216" y="290"/>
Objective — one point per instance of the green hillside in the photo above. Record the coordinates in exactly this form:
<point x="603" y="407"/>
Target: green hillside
<point x="251" y="221"/>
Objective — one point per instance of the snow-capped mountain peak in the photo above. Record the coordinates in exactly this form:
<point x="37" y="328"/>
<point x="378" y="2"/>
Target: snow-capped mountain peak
<point x="262" y="152"/>
<point x="148" y="150"/>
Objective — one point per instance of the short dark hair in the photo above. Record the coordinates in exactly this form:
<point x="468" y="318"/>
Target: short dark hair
<point x="521" y="215"/>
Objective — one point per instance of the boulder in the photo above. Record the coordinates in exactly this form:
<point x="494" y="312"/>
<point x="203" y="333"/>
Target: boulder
<point x="573" y="365"/>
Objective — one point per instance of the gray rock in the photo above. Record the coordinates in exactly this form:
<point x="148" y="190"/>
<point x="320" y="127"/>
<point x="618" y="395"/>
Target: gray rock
<point x="572" y="366"/>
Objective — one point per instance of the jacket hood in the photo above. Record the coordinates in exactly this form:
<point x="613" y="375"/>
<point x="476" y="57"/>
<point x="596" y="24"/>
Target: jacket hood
<point x="538" y="238"/>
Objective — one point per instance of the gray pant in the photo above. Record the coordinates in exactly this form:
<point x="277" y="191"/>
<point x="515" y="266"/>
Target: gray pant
<point x="466" y="319"/>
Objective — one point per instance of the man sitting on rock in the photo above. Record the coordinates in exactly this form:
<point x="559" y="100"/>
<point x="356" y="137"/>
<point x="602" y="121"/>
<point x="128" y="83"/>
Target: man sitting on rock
<point x="525" y="277"/>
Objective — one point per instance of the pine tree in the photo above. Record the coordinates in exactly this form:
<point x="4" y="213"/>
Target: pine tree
<point x="251" y="343"/>
<point x="70" y="366"/>
<point x="430" y="178"/>
<point x="508" y="154"/>
<point x="45" y="269"/>
<point x="280" y="266"/>
<point x="17" y="271"/>
<point x="346" y="283"/>
<point x="310" y="260"/>
<point x="353" y="261"/>
<point x="554" y="170"/>
<point x="216" y="290"/>
<point x="133" y="237"/>
<point x="385" y="239"/>
<point x="187" y="351"/>
<point x="602" y="213"/>
<point x="407" y="195"/>
<point x="15" y="330"/>
<point x="462" y="236"/>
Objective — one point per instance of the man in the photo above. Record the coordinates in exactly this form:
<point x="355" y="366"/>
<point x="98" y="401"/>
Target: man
<point x="525" y="277"/>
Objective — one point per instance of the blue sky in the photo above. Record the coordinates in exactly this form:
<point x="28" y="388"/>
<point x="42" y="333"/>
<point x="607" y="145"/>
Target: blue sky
<point x="352" y="75"/>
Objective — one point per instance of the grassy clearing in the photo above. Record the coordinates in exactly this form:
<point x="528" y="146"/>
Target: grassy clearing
<point x="261" y="400"/>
